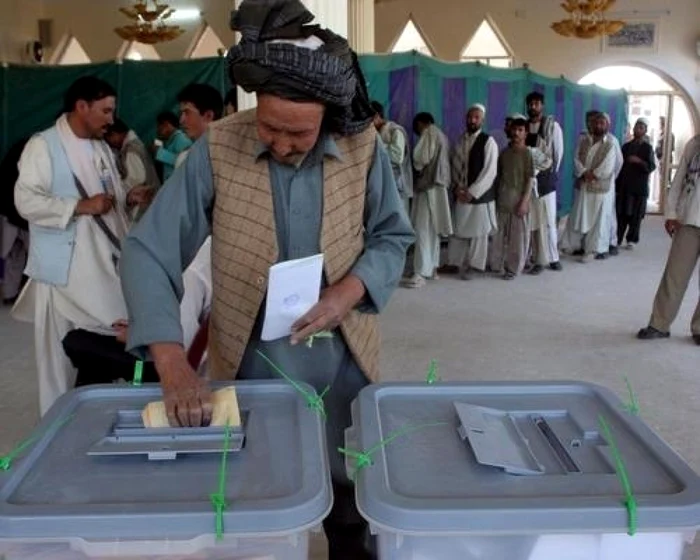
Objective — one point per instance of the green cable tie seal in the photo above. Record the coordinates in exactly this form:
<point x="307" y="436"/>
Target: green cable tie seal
<point x="432" y="377"/>
<point x="630" y="500"/>
<point x="6" y="460"/>
<point x="363" y="459"/>
<point x="138" y="374"/>
<point x="218" y="500"/>
<point x="313" y="400"/>
<point x="633" y="405"/>
<point x="321" y="334"/>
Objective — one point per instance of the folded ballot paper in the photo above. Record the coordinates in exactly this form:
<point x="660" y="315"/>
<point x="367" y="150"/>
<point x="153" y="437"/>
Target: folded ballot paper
<point x="293" y="289"/>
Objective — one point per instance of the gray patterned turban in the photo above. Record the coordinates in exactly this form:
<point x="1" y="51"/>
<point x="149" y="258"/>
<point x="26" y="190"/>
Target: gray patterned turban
<point x="281" y="54"/>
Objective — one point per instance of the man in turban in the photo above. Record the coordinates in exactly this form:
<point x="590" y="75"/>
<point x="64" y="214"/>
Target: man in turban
<point x="302" y="174"/>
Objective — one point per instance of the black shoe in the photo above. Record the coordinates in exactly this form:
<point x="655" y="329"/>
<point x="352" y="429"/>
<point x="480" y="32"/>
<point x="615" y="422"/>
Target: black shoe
<point x="696" y="339"/>
<point x="650" y="333"/>
<point x="613" y="251"/>
<point x="536" y="270"/>
<point x="578" y="253"/>
<point x="556" y="266"/>
<point x="601" y="256"/>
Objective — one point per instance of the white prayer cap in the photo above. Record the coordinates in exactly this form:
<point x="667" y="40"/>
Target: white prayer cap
<point x="477" y="107"/>
<point x="518" y="117"/>
<point x="644" y="121"/>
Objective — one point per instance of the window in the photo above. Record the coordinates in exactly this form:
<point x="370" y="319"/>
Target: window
<point x="70" y="51"/>
<point x="131" y="50"/>
<point x="411" y="39"/>
<point x="205" y="44"/>
<point x="487" y="46"/>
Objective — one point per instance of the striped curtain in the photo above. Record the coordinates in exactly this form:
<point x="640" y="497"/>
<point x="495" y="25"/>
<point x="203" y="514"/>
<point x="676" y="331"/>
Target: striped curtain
<point x="408" y="83"/>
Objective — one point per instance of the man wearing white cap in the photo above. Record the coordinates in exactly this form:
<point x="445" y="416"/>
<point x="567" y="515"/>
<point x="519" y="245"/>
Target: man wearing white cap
<point x="632" y="184"/>
<point x="474" y="165"/>
<point x="588" y="228"/>
<point x="544" y="207"/>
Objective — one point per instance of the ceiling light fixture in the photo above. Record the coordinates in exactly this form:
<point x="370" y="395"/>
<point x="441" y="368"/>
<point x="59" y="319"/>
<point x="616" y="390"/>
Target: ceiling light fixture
<point x="150" y="23"/>
<point x="587" y="19"/>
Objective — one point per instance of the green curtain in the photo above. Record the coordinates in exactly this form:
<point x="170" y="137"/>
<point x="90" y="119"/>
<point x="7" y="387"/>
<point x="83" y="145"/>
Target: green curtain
<point x="31" y="97"/>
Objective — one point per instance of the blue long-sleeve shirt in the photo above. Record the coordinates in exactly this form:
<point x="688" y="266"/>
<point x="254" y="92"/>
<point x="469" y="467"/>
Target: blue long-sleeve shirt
<point x="167" y="238"/>
<point x="168" y="153"/>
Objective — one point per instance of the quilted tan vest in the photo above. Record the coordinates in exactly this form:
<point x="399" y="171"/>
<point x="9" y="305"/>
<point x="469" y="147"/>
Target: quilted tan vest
<point x="244" y="243"/>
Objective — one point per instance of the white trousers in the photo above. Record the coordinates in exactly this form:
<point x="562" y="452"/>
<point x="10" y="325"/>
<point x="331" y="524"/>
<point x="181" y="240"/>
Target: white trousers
<point x="468" y="253"/>
<point x="545" y="239"/>
<point x="56" y="372"/>
<point x="426" y="255"/>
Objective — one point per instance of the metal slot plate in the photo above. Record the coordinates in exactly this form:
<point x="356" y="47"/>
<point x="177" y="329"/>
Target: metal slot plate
<point x="129" y="437"/>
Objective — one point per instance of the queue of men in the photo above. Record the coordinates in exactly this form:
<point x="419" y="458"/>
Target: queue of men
<point x="461" y="192"/>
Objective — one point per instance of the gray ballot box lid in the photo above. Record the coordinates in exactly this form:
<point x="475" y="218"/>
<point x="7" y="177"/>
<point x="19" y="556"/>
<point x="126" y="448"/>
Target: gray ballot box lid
<point x="277" y="477"/>
<point x="512" y="458"/>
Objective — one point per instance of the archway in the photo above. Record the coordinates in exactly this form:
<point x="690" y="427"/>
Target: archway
<point x="673" y="119"/>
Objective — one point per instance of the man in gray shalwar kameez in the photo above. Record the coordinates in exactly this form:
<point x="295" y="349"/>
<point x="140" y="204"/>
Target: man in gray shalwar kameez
<point x="312" y="102"/>
<point x="431" y="213"/>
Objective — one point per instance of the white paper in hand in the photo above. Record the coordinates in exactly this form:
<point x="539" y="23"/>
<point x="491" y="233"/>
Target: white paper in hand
<point x="293" y="288"/>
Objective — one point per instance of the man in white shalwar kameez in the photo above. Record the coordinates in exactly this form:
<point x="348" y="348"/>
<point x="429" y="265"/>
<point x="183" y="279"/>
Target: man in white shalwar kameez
<point x="474" y="166"/>
<point x="588" y="229"/>
<point x="543" y="212"/>
<point x="70" y="193"/>
<point x="431" y="213"/>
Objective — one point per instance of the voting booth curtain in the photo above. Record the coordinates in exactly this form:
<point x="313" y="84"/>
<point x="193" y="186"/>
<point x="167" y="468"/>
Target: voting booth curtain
<point x="408" y="83"/>
<point x="405" y="83"/>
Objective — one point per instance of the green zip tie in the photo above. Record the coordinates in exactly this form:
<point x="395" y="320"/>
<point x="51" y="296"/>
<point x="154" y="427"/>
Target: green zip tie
<point x="218" y="500"/>
<point x="432" y="377"/>
<point x="6" y="460"/>
<point x="138" y="374"/>
<point x="633" y="405"/>
<point x="313" y="400"/>
<point x="363" y="459"/>
<point x="630" y="501"/>
<point x="320" y="334"/>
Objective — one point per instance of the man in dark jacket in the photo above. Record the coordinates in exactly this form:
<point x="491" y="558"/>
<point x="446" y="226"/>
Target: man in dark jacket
<point x="632" y="184"/>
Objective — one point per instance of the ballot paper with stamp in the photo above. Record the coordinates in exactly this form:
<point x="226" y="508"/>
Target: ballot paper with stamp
<point x="293" y="289"/>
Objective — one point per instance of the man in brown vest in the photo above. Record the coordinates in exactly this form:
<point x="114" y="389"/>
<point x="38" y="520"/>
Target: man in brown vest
<point x="304" y="174"/>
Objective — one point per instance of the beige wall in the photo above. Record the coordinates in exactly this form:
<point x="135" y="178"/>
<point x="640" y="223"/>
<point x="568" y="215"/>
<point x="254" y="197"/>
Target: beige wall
<point x="18" y="26"/>
<point x="525" y="26"/>
<point x="447" y="23"/>
<point x="92" y="22"/>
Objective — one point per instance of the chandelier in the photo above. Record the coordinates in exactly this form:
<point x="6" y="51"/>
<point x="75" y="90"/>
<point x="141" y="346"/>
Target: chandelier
<point x="587" y="19"/>
<point x="150" y="23"/>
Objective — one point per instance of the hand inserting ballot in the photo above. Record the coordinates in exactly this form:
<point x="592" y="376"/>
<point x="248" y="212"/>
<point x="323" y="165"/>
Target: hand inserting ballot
<point x="187" y="398"/>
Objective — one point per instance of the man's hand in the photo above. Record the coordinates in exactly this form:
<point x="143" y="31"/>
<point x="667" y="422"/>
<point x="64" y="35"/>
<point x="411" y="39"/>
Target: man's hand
<point x="141" y="196"/>
<point x="672" y="226"/>
<point x="187" y="398"/>
<point x="335" y="303"/>
<point x="95" y="205"/>
<point x="590" y="177"/>
<point x="523" y="208"/>
<point x="122" y="328"/>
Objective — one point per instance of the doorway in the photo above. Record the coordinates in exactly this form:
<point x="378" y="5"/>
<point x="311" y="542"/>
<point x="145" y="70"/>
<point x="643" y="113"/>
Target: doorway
<point x="663" y="104"/>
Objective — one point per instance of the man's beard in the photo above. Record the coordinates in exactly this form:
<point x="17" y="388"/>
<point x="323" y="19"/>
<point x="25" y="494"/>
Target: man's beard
<point x="472" y="128"/>
<point x="533" y="113"/>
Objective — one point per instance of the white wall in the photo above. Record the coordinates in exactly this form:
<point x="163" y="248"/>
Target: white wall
<point x="18" y="26"/>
